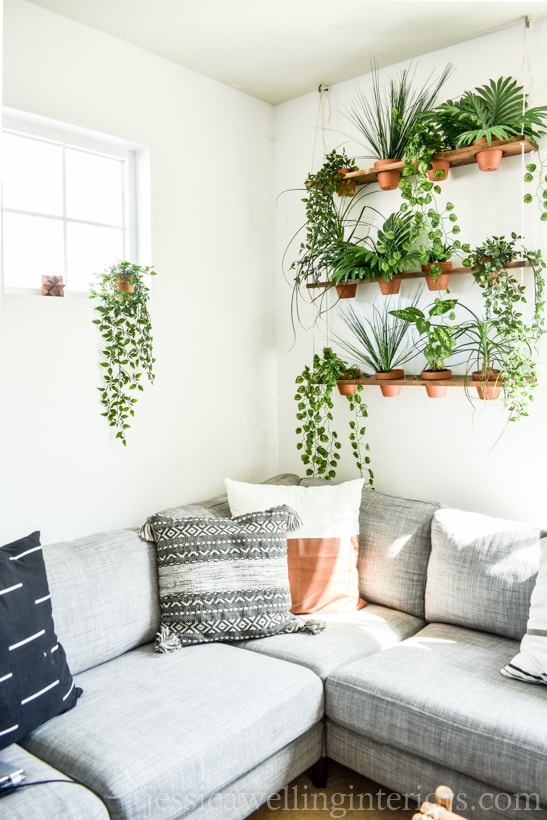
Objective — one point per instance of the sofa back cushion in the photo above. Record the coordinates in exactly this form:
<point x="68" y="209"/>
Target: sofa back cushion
<point x="481" y="572"/>
<point x="103" y="594"/>
<point x="395" y="549"/>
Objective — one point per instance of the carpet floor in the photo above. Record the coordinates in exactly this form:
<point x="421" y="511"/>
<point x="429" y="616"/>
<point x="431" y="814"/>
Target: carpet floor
<point x="347" y="795"/>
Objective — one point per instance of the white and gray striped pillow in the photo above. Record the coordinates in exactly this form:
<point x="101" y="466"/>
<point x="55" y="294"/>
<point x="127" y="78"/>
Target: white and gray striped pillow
<point x="530" y="665"/>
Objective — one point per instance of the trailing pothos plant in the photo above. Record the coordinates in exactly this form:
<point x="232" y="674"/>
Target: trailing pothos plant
<point x="319" y="443"/>
<point x="122" y="294"/>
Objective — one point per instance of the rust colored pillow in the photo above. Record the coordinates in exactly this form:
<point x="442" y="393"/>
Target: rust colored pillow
<point x="323" y="552"/>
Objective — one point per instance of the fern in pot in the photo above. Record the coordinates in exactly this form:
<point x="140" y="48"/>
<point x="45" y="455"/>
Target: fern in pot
<point x="122" y="294"/>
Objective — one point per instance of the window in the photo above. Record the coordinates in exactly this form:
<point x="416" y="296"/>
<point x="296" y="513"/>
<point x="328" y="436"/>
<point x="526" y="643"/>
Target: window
<point x="67" y="205"/>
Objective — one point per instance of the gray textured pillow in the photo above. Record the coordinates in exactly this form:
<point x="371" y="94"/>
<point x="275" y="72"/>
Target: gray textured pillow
<point x="224" y="579"/>
<point x="481" y="572"/>
<point x="395" y="545"/>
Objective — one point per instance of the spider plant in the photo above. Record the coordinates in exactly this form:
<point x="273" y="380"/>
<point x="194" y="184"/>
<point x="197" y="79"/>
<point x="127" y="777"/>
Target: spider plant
<point x="384" y="116"/>
<point x="379" y="342"/>
<point x="496" y="110"/>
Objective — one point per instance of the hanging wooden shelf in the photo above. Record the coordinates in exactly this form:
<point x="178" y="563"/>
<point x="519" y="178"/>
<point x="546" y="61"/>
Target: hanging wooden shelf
<point x="413" y="274"/>
<point x="414" y="381"/>
<point x="457" y="157"/>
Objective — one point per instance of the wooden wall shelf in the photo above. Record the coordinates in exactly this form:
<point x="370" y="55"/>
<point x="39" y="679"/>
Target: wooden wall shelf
<point x="457" y="157"/>
<point x="413" y="274"/>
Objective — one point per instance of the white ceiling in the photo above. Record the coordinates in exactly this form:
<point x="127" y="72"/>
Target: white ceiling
<point x="279" y="49"/>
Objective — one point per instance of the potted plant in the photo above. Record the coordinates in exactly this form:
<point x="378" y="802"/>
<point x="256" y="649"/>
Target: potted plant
<point x="380" y="343"/>
<point x="385" y="115"/>
<point x="390" y="252"/>
<point x="319" y="442"/>
<point x="122" y="294"/>
<point x="502" y="345"/>
<point x="423" y="170"/>
<point x="440" y="340"/>
<point x="329" y="219"/>
<point x="497" y="110"/>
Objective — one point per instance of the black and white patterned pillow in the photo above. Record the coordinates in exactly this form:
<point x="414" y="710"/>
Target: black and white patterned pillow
<point x="35" y="681"/>
<point x="224" y="579"/>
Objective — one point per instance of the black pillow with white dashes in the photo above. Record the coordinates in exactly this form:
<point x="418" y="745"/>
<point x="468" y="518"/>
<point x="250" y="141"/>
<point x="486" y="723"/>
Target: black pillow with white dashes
<point x="35" y="680"/>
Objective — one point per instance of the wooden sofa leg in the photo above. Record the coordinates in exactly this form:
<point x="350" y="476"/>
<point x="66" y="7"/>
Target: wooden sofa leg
<point x="319" y="772"/>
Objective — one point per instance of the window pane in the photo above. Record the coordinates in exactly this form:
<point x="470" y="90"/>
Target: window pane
<point x="94" y="187"/>
<point x="32" y="175"/>
<point x="33" y="247"/>
<point x="89" y="250"/>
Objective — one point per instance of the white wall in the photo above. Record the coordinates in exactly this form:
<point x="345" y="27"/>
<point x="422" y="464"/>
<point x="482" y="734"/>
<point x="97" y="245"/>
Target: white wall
<point x="446" y="449"/>
<point x="212" y="410"/>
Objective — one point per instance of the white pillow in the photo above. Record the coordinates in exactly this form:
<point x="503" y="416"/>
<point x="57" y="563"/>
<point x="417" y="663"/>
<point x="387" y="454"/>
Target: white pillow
<point x="323" y="551"/>
<point x="530" y="665"/>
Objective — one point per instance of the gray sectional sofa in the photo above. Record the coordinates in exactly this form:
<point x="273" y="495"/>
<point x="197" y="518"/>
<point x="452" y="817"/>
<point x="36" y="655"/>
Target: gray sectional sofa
<point x="406" y="691"/>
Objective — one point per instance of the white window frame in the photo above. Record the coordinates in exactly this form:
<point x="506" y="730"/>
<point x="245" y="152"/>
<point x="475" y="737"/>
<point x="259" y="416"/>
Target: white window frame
<point x="135" y="157"/>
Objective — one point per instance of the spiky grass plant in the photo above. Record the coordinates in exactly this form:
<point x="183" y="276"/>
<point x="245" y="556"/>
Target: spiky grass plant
<point x="384" y="116"/>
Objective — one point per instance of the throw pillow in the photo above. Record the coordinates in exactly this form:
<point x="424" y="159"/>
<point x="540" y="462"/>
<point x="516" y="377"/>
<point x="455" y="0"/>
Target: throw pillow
<point x="530" y="664"/>
<point x="481" y="572"/>
<point x="35" y="681"/>
<point x="323" y="551"/>
<point x="224" y="579"/>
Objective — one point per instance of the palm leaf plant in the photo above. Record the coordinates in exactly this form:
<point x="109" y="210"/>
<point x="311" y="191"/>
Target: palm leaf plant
<point x="392" y="251"/>
<point x="495" y="110"/>
<point x="126" y="329"/>
<point x="384" y="117"/>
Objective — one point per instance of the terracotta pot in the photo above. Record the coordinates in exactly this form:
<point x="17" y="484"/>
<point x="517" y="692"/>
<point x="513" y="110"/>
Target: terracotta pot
<point x="489" y="387"/>
<point x="125" y="287"/>
<point x="390" y="287"/>
<point x="347" y="385"/>
<point x="346" y="290"/>
<point x="346" y="388"/>
<point x="436" y="390"/>
<point x="488" y="159"/>
<point x="346" y="187"/>
<point x="441" y="282"/>
<point x="387" y="180"/>
<point x="390" y="390"/>
<point x="439" y="170"/>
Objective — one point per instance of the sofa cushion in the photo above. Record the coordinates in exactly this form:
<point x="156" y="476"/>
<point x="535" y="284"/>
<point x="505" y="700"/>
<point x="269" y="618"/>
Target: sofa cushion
<point x="348" y="636"/>
<point x="63" y="798"/>
<point x="35" y="681"/>
<point x="158" y="735"/>
<point x="94" y="621"/>
<point x="394" y="551"/>
<point x="323" y="551"/>
<point x="439" y="695"/>
<point x="223" y="579"/>
<point x="481" y="572"/>
<point x="530" y="665"/>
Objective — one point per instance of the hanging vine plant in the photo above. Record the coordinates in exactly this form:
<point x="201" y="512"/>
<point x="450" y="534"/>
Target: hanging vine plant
<point x="122" y="295"/>
<point x="319" y="443"/>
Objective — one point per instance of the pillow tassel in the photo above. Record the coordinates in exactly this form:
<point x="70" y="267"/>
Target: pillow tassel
<point x="301" y="625"/>
<point x="166" y="641"/>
